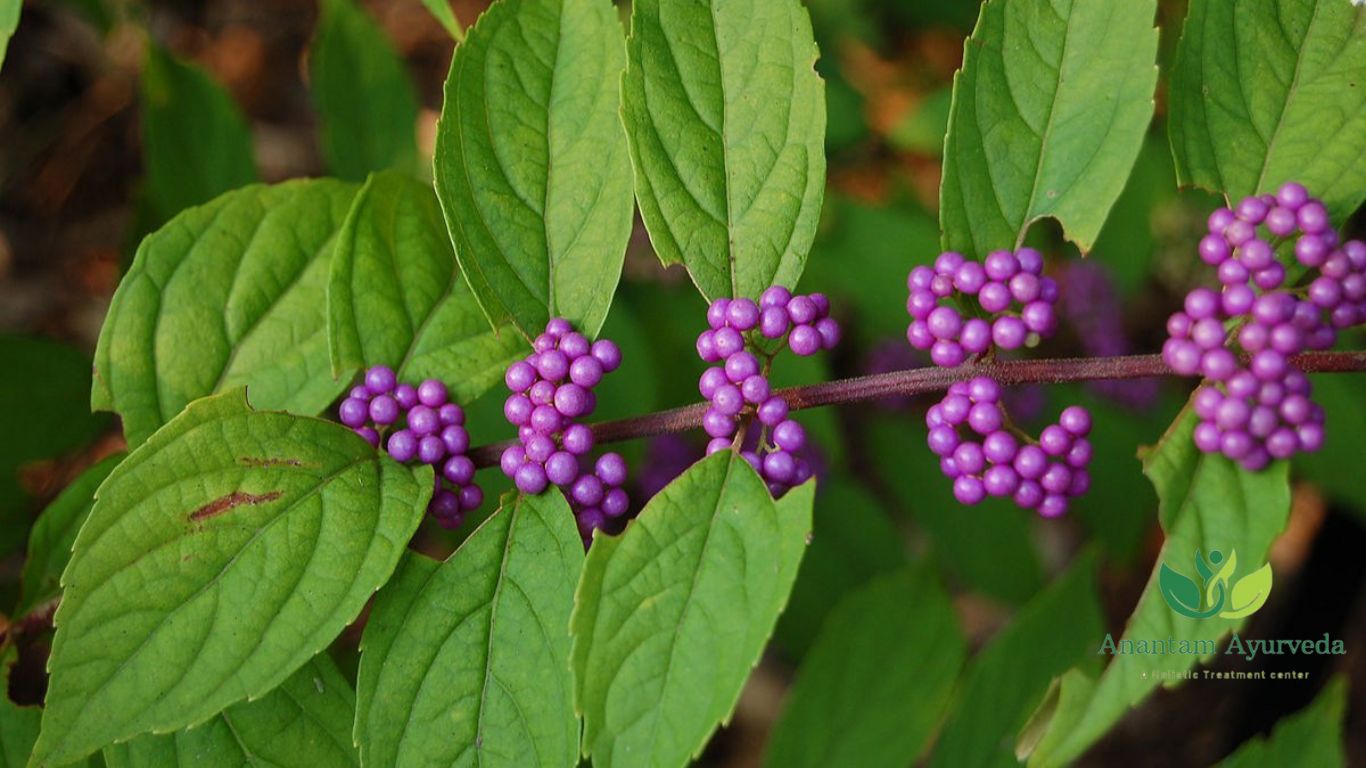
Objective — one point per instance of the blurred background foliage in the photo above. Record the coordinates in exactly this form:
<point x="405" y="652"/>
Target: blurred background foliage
<point x="117" y="114"/>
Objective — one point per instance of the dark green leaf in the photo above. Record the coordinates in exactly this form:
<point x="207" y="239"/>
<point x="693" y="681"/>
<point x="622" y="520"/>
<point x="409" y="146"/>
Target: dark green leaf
<point x="1311" y="737"/>
<point x="670" y="617"/>
<point x="467" y="662"/>
<point x="1049" y="112"/>
<point x="221" y="556"/>
<point x="726" y="118"/>
<point x="227" y="294"/>
<point x="42" y="379"/>
<point x="1006" y="680"/>
<point x="196" y="143"/>
<point x="49" y="544"/>
<point x="367" y="108"/>
<point x="1207" y="503"/>
<point x="1265" y="92"/>
<point x="531" y="162"/>
<point x="852" y="541"/>
<point x="1336" y="468"/>
<point x="396" y="297"/>
<point x="305" y="723"/>
<point x="877" y="681"/>
<point x="987" y="546"/>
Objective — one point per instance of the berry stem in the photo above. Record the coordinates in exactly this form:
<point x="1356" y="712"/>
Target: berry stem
<point x="922" y="380"/>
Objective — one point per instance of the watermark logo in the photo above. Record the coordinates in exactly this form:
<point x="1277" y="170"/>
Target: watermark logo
<point x="1215" y="592"/>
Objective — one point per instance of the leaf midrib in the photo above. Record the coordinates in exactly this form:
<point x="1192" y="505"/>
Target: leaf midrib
<point x="688" y="603"/>
<point x="1289" y="95"/>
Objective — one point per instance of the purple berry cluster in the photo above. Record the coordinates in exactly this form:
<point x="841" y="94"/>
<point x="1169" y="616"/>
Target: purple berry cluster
<point x="551" y="388"/>
<point x="1008" y="286"/>
<point x="976" y="448"/>
<point x="432" y="432"/>
<point x="738" y="388"/>
<point x="1255" y="411"/>
<point x="970" y="430"/>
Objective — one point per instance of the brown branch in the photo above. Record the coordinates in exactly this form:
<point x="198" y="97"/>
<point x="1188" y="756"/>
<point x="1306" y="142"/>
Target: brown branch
<point x="922" y="380"/>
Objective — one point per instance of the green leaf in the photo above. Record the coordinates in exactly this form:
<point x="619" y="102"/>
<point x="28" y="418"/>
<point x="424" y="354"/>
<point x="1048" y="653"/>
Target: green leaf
<point x="1006" y="680"/>
<point x="18" y="725"/>
<point x="395" y="295"/>
<point x="221" y="555"/>
<point x="1207" y="503"/>
<point x="670" y="617"/>
<point x="46" y="377"/>
<point x="49" y="544"/>
<point x="1335" y="467"/>
<point x="1263" y="92"/>
<point x="196" y="143"/>
<point x="726" y="119"/>
<point x="531" y="162"/>
<point x="441" y="9"/>
<point x="852" y="541"/>
<point x="226" y="294"/>
<point x="1311" y="737"/>
<point x="367" y="107"/>
<point x="304" y="723"/>
<point x="876" y="683"/>
<point x="989" y="547"/>
<point x="9" y="21"/>
<point x="1048" y="115"/>
<point x="467" y="662"/>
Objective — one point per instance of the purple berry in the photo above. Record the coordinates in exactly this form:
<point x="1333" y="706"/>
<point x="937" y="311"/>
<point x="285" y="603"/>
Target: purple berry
<point x="771" y="412"/>
<point x="422" y="420"/>
<point x="459" y="470"/>
<point x="789" y="436"/>
<point x="776" y="296"/>
<point x="380" y="379"/>
<point x="577" y="439"/>
<point x="405" y="395"/>
<point x="353" y="412"/>
<point x="608" y="354"/>
<point x="742" y="314"/>
<point x="968" y="490"/>
<point x="804" y="339"/>
<point x="455" y="439"/>
<point x="402" y="446"/>
<point x="530" y="478"/>
<point x="369" y="435"/>
<point x="384" y="410"/>
<point x="561" y="468"/>
<point x="432" y="393"/>
<point x="615" y="503"/>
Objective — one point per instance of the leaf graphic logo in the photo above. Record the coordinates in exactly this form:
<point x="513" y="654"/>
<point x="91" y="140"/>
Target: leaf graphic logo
<point x="1216" y="593"/>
